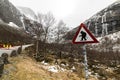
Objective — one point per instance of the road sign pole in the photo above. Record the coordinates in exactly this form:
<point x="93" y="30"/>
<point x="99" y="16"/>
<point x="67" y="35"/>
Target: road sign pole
<point x="84" y="36"/>
<point x="85" y="61"/>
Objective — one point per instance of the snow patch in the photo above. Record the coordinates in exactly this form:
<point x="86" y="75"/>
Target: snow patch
<point x="44" y="63"/>
<point x="53" y="69"/>
<point x="30" y="17"/>
<point x="73" y="68"/>
<point x="12" y="24"/>
<point x="108" y="41"/>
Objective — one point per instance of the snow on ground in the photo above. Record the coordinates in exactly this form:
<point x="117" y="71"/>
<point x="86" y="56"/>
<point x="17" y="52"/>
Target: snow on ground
<point x="52" y="68"/>
<point x="44" y="63"/>
<point x="107" y="41"/>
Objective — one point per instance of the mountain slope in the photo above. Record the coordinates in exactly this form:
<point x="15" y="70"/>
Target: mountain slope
<point x="105" y="22"/>
<point x="15" y="24"/>
<point x="9" y="33"/>
<point x="25" y="68"/>
<point x="28" y="12"/>
<point x="9" y="13"/>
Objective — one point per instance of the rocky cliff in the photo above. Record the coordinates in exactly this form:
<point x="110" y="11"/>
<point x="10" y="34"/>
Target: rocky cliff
<point x="16" y="23"/>
<point x="106" y="21"/>
<point x="28" y="12"/>
<point x="102" y="23"/>
<point x="9" y="13"/>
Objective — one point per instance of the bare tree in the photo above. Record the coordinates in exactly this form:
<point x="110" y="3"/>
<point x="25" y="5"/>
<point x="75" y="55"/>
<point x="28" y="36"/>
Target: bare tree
<point x="47" y="20"/>
<point x="36" y="30"/>
<point x="61" y="29"/>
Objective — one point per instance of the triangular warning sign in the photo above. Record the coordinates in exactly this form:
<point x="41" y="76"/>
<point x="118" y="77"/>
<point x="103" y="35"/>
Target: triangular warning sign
<point x="83" y="35"/>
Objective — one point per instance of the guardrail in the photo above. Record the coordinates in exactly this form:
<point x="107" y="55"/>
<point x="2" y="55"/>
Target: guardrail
<point x="11" y="52"/>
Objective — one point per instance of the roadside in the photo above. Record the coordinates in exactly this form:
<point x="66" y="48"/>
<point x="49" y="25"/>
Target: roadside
<point x="25" y="68"/>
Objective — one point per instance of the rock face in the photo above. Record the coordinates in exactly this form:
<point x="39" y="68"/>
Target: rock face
<point x="9" y="13"/>
<point x="104" y="22"/>
<point x="28" y="12"/>
<point x="16" y="24"/>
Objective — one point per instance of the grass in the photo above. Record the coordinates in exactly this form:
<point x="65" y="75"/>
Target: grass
<point x="25" y="68"/>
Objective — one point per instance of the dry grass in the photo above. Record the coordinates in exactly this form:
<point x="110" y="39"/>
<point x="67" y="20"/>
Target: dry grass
<point x="25" y="68"/>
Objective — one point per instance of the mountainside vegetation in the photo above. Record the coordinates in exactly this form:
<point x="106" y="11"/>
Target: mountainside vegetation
<point x="53" y="57"/>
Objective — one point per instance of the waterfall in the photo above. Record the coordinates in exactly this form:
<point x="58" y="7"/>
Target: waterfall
<point x="106" y="28"/>
<point x="96" y="24"/>
<point x="104" y="25"/>
<point x="96" y="29"/>
<point x="22" y="20"/>
<point x="113" y="23"/>
<point x="89" y="23"/>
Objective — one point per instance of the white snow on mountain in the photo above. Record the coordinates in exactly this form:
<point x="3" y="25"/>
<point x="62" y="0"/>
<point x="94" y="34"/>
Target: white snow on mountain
<point x="12" y="24"/>
<point x="29" y="13"/>
<point x="108" y="42"/>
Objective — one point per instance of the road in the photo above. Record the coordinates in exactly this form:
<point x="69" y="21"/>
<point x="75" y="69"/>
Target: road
<point x="11" y="49"/>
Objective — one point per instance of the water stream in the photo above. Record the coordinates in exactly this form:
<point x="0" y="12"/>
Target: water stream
<point x="104" y="25"/>
<point x="22" y="20"/>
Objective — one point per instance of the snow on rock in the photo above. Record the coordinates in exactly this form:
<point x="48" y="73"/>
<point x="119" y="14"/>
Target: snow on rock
<point x="55" y="68"/>
<point x="110" y="70"/>
<point x="110" y="41"/>
<point x="89" y="73"/>
<point x="30" y="17"/>
<point x="28" y="12"/>
<point x="52" y="69"/>
<point x="12" y="24"/>
<point x="73" y="68"/>
<point x="116" y="47"/>
<point x="44" y="63"/>
<point x="63" y="65"/>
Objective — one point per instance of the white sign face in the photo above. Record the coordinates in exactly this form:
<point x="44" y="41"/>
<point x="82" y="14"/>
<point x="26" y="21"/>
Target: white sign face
<point x="83" y="35"/>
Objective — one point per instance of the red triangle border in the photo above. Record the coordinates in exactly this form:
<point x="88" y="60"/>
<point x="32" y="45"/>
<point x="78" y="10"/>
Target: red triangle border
<point x="90" y="34"/>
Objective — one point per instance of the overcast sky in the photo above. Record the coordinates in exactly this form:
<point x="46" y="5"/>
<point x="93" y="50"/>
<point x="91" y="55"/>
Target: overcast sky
<point x="72" y="12"/>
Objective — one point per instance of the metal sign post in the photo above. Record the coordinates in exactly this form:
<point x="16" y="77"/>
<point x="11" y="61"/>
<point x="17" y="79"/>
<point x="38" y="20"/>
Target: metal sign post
<point x="84" y="36"/>
<point x="85" y="61"/>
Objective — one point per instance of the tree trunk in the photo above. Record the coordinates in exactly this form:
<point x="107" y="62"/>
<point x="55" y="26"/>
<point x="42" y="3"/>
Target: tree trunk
<point x="45" y="38"/>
